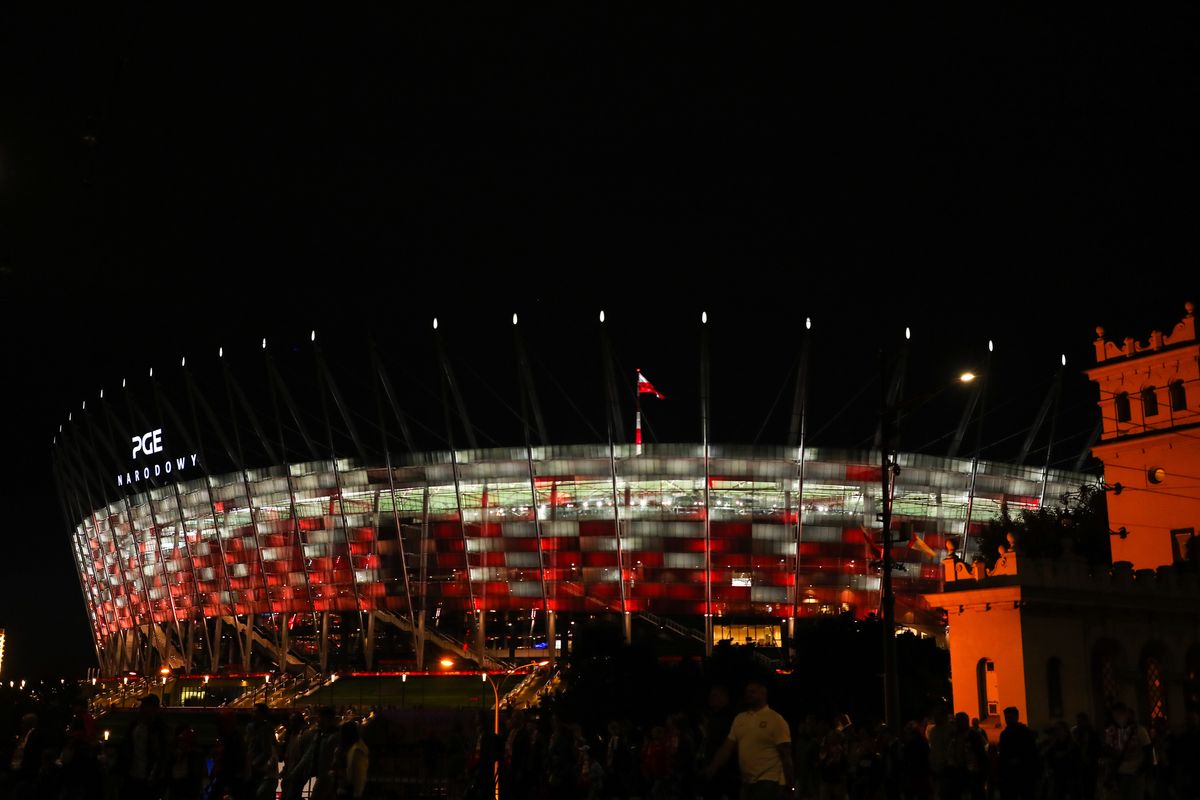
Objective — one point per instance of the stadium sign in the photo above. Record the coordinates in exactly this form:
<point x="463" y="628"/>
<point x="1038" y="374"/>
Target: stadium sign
<point x="148" y="444"/>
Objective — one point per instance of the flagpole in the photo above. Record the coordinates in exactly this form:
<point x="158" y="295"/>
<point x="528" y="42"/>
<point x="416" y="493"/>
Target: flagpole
<point x="637" y="401"/>
<point x="801" y="430"/>
<point x="704" y="386"/>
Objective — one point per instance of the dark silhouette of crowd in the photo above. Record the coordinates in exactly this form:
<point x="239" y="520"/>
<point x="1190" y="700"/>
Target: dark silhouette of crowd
<point x="942" y="757"/>
<point x="725" y="744"/>
<point x="161" y="757"/>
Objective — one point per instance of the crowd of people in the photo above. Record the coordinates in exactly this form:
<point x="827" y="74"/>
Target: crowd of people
<point x="716" y="749"/>
<point x="757" y="754"/>
<point x="322" y="757"/>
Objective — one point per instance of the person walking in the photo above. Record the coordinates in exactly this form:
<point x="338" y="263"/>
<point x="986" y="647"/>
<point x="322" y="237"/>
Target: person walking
<point x="143" y="755"/>
<point x="262" y="754"/>
<point x="318" y="760"/>
<point x="940" y="736"/>
<point x="351" y="762"/>
<point x="185" y="765"/>
<point x="913" y="778"/>
<point x="296" y="741"/>
<point x="1018" y="761"/>
<point x="27" y="764"/>
<point x="1090" y="746"/>
<point x="763" y="742"/>
<point x="1064" y="764"/>
<point x="833" y="765"/>
<point x="1128" y="746"/>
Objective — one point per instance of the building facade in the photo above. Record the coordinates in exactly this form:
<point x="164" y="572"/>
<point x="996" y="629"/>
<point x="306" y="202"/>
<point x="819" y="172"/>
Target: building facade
<point x="308" y="562"/>
<point x="1054" y="638"/>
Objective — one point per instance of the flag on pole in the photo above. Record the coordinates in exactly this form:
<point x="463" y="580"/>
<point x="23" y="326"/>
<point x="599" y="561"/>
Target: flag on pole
<point x="919" y="543"/>
<point x="645" y="387"/>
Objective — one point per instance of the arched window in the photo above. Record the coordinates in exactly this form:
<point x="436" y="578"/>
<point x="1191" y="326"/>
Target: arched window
<point x="1123" y="413"/>
<point x="1156" y="693"/>
<point x="1149" y="402"/>
<point x="1178" y="396"/>
<point x="989" y="693"/>
<point x="1054" y="687"/>
<point x="1191" y="679"/>
<point x="1104" y="677"/>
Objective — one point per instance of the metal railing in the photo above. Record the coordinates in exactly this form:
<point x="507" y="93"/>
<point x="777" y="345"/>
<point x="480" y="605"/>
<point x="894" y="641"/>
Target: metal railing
<point x="672" y="626"/>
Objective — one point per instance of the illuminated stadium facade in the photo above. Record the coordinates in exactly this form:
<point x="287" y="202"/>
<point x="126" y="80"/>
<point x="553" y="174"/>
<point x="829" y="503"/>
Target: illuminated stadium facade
<point x="221" y="521"/>
<point x="444" y="540"/>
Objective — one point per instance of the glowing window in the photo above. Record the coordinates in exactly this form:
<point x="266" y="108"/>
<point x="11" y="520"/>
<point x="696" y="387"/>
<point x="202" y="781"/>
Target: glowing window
<point x="1156" y="695"/>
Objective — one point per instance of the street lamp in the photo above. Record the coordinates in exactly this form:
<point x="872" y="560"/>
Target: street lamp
<point x="887" y="414"/>
<point x="495" y="729"/>
<point x="486" y="678"/>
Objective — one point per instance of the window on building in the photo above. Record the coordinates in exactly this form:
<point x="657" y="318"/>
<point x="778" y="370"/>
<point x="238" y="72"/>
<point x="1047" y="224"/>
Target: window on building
<point x="1149" y="402"/>
<point x="1105" y="675"/>
<point x="1054" y="687"/>
<point x="1123" y="413"/>
<point x="1156" y="693"/>
<point x="1191" y="680"/>
<point x="1178" y="396"/>
<point x="989" y="692"/>
<point x="1182" y="546"/>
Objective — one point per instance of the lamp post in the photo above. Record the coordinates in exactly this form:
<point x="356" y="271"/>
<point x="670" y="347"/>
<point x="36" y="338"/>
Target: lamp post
<point x="496" y="730"/>
<point x="486" y="678"/>
<point x="887" y="425"/>
<point x="891" y="683"/>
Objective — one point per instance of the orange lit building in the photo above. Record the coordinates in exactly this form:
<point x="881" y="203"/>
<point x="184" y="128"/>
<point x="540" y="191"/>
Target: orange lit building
<point x="1054" y="638"/>
<point x="1150" y="445"/>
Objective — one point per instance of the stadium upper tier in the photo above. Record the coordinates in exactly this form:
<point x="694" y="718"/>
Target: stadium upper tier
<point x="569" y="529"/>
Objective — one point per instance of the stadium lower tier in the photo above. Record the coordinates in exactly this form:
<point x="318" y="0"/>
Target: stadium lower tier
<point x="748" y="533"/>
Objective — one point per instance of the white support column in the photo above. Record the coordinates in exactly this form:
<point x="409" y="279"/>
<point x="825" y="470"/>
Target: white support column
<point x="324" y="641"/>
<point x="421" y="641"/>
<point x="248" y="650"/>
<point x="369" y="644"/>
<point x="189" y="646"/>
<point x="215" y="646"/>
<point x="283" y="643"/>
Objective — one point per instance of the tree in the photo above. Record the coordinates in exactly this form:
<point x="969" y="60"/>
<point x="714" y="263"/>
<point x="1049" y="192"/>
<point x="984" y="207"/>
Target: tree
<point x="1079" y="525"/>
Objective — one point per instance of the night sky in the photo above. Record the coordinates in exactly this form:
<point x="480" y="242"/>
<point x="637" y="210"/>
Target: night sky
<point x="174" y="180"/>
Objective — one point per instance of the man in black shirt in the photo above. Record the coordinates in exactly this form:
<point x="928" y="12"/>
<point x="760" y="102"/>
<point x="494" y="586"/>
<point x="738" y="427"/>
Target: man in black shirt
<point x="718" y="718"/>
<point x="1018" y="761"/>
<point x="143" y="752"/>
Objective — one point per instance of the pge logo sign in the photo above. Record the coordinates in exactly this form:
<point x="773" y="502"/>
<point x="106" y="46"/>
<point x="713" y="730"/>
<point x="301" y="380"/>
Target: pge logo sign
<point x="144" y="468"/>
<point x="148" y="443"/>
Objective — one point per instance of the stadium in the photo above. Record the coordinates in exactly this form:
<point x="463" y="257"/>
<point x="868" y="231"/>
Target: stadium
<point x="201" y="545"/>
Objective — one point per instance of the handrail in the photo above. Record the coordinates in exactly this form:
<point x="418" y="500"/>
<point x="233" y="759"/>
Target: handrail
<point x="671" y="625"/>
<point x="447" y="642"/>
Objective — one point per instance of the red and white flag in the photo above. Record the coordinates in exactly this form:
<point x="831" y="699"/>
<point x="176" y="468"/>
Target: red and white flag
<point x="645" y="387"/>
